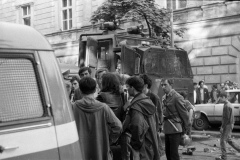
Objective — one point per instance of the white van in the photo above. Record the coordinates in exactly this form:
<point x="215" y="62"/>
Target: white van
<point x="36" y="120"/>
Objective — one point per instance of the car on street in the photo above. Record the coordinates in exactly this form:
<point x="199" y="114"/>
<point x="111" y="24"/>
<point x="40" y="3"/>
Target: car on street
<point x="210" y="114"/>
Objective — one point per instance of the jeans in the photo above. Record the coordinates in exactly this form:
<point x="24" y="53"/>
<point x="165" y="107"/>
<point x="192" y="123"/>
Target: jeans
<point x="172" y="142"/>
<point x="226" y="137"/>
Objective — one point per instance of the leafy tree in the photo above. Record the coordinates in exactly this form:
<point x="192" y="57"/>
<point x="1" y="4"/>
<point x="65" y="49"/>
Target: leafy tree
<point x="156" y="19"/>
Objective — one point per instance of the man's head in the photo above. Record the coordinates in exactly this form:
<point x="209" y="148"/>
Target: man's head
<point x="87" y="85"/>
<point x="110" y="83"/>
<point x="214" y="86"/>
<point x="223" y="96"/>
<point x="98" y="75"/>
<point x="75" y="82"/>
<point x="222" y="85"/>
<point x="134" y="85"/>
<point x="166" y="85"/>
<point x="195" y="85"/>
<point x="201" y="84"/>
<point x="84" y="72"/>
<point x="147" y="83"/>
<point x="183" y="94"/>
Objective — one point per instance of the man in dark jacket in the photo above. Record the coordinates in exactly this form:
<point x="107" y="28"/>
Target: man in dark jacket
<point x="202" y="94"/>
<point x="157" y="102"/>
<point x="175" y="119"/>
<point x="140" y="122"/>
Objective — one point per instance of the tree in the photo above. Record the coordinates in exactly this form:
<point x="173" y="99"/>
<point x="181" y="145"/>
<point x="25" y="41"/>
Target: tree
<point x="156" y="19"/>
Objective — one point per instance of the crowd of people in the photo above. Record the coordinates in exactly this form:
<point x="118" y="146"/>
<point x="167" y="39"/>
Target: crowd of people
<point x="120" y="110"/>
<point x="203" y="95"/>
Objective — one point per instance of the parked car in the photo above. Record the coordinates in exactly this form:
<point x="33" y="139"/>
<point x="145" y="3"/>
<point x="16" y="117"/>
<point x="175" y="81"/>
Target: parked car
<point x="211" y="113"/>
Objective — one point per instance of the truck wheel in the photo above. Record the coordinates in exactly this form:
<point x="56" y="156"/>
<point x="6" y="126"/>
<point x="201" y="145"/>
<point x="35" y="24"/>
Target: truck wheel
<point x="201" y="123"/>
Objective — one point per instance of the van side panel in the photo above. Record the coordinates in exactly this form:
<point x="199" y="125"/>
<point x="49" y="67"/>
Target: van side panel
<point x="66" y="130"/>
<point x="61" y="108"/>
<point x="44" y="155"/>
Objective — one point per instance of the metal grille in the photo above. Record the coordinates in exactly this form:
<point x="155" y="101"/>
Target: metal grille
<point x="167" y="63"/>
<point x="19" y="92"/>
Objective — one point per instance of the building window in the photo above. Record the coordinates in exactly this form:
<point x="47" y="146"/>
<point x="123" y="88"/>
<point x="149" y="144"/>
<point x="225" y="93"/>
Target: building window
<point x="26" y="15"/>
<point x="67" y="14"/>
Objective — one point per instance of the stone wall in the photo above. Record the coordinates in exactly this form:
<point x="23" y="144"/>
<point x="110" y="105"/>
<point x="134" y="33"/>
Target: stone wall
<point x="212" y="40"/>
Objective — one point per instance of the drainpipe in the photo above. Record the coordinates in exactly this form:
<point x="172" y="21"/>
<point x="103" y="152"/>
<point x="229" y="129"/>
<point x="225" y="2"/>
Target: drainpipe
<point x="171" y="22"/>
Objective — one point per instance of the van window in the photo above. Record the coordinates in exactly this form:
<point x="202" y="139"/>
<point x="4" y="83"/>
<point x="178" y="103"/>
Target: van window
<point x="19" y="92"/>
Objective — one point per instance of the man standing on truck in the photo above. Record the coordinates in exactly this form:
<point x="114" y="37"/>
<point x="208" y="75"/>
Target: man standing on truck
<point x="227" y="126"/>
<point x="175" y="119"/>
<point x="97" y="125"/>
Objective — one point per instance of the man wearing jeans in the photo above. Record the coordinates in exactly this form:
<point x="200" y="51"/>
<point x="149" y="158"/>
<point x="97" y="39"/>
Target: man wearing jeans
<point x="227" y="126"/>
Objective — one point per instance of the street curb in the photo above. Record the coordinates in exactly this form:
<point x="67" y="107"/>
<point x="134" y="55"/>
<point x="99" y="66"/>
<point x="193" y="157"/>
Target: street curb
<point x="213" y="133"/>
<point x="205" y="134"/>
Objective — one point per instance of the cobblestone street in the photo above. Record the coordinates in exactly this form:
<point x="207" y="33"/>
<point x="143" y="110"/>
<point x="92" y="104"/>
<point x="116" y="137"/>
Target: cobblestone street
<point x="213" y="146"/>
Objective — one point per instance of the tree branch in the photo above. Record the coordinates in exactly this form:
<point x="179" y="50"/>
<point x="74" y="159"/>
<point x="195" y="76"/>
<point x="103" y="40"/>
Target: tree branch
<point x="149" y="29"/>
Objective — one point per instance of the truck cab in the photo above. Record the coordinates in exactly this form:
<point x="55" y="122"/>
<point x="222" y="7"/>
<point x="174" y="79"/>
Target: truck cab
<point x="36" y="119"/>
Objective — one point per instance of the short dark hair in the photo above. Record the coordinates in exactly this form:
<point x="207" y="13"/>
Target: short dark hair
<point x="170" y="81"/>
<point x="87" y="85"/>
<point x="135" y="82"/>
<point x="83" y="69"/>
<point x="199" y="83"/>
<point x="223" y="94"/>
<point x="194" y="83"/>
<point x="100" y="71"/>
<point x="110" y="83"/>
<point x="183" y="93"/>
<point x="146" y="80"/>
<point x="214" y="86"/>
<point x="75" y="78"/>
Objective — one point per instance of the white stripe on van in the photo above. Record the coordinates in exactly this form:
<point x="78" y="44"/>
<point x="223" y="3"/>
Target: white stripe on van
<point x="67" y="133"/>
<point x="37" y="140"/>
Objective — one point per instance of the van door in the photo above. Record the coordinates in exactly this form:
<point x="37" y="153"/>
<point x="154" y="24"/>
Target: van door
<point x="26" y="127"/>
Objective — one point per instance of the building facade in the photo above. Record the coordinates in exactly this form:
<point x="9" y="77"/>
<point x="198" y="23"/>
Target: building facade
<point x="212" y="36"/>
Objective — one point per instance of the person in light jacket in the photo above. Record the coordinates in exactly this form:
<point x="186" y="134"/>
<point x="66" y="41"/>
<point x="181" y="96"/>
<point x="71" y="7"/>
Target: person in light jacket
<point x="226" y="127"/>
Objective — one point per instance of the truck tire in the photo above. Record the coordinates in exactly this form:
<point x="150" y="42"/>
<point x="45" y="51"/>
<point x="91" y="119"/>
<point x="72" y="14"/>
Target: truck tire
<point x="201" y="123"/>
